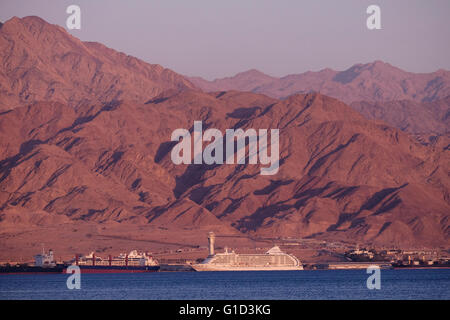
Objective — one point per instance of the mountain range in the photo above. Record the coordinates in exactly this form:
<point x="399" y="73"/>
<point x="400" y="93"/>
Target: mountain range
<point x="85" y="153"/>
<point x="376" y="81"/>
<point x="415" y="102"/>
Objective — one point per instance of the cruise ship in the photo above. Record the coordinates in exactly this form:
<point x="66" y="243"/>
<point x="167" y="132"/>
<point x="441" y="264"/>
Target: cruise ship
<point x="272" y="260"/>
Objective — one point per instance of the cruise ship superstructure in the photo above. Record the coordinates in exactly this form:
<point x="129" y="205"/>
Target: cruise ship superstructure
<point x="273" y="259"/>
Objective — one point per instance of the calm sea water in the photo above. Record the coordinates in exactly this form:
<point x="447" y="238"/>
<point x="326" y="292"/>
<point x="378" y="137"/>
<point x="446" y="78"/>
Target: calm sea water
<point x="326" y="284"/>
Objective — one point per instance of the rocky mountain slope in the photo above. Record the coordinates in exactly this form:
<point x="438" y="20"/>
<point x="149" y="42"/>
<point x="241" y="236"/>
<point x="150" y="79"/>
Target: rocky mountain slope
<point x="429" y="118"/>
<point x="341" y="176"/>
<point x="41" y="61"/>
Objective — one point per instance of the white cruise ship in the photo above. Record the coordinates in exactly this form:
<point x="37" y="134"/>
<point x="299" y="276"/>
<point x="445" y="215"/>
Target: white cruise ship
<point x="272" y="260"/>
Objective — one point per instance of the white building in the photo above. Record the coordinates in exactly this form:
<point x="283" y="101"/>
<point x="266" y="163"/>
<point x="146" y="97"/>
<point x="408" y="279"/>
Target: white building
<point x="45" y="260"/>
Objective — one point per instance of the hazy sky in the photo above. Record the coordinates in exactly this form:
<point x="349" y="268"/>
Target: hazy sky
<point x="212" y="38"/>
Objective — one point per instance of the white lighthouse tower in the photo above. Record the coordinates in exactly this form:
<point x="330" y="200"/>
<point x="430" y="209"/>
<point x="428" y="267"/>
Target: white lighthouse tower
<point x="211" y="240"/>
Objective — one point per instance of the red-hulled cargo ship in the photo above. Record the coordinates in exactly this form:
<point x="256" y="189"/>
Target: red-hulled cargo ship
<point x="123" y="263"/>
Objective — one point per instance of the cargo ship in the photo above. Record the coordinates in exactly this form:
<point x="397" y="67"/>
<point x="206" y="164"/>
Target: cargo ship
<point x="273" y="260"/>
<point x="43" y="263"/>
<point x="123" y="263"/>
<point x="132" y="262"/>
<point x="24" y="268"/>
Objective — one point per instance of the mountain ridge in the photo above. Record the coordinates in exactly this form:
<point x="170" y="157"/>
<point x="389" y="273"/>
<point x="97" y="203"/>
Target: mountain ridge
<point x="414" y="102"/>
<point x="420" y="87"/>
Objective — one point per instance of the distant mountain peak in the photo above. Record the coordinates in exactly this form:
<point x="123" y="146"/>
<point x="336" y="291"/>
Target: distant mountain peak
<point x="379" y="63"/>
<point x="242" y="81"/>
<point x="253" y="72"/>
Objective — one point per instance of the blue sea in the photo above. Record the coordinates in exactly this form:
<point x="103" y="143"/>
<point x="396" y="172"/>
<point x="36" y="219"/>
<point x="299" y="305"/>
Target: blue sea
<point x="259" y="285"/>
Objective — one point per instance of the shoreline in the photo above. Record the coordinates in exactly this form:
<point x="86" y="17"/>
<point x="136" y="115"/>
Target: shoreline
<point x="186" y="269"/>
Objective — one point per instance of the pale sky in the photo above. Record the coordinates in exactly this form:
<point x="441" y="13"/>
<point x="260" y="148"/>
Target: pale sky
<point x="212" y="38"/>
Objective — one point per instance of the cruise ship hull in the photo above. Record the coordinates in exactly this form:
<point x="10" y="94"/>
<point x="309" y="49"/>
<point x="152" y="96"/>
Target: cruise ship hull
<point x="209" y="267"/>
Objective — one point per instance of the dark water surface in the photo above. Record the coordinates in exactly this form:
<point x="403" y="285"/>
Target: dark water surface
<point x="324" y="284"/>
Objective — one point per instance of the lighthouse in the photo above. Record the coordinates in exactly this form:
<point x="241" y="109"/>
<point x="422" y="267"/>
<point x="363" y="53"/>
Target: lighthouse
<point x="211" y="240"/>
